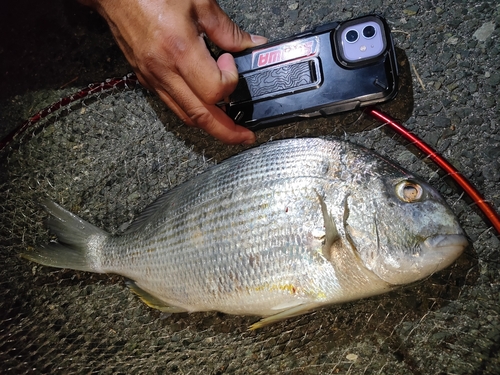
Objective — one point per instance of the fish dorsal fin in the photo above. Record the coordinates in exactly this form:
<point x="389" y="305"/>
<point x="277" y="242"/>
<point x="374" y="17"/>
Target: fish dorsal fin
<point x="152" y="209"/>
<point x="151" y="300"/>
<point x="331" y="232"/>
<point x="170" y="199"/>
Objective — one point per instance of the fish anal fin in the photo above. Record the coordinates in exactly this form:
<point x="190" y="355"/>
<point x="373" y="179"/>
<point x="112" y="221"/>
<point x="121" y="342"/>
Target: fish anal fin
<point x="287" y="305"/>
<point x="331" y="233"/>
<point x="285" y="314"/>
<point x="151" y="300"/>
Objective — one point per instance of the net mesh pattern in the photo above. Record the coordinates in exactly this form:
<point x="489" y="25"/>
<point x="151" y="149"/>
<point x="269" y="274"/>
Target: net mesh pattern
<point x="106" y="157"/>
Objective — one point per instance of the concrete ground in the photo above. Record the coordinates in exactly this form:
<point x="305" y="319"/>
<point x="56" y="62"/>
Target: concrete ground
<point x="108" y="156"/>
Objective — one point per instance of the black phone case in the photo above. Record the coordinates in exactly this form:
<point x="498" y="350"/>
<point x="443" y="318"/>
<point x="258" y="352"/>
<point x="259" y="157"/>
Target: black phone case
<point x="305" y="76"/>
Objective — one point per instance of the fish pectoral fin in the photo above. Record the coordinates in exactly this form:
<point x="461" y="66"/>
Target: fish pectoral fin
<point x="151" y="300"/>
<point x="285" y="314"/>
<point x="331" y="232"/>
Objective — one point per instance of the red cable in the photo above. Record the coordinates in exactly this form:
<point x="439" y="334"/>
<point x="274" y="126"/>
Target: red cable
<point x="469" y="189"/>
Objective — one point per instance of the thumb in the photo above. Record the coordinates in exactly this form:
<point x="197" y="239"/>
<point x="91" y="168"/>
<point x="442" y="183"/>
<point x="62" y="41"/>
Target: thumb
<point x="221" y="30"/>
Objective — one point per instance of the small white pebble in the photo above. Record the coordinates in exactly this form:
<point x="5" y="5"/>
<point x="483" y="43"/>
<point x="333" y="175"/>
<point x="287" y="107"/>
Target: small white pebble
<point x="352" y="357"/>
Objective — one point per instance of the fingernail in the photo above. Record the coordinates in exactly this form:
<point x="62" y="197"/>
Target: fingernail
<point x="257" y="39"/>
<point x="249" y="142"/>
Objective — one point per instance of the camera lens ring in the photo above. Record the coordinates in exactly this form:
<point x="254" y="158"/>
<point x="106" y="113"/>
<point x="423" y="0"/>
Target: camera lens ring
<point x="369" y="32"/>
<point x="351" y="36"/>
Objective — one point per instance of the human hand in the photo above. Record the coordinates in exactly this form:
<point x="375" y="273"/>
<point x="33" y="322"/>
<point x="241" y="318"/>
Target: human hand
<point x="163" y="41"/>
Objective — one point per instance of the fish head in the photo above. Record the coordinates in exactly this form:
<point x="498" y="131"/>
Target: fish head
<point x="402" y="230"/>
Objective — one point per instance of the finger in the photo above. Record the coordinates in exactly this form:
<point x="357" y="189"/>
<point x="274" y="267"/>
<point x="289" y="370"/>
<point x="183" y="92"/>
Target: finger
<point x="222" y="30"/>
<point x="211" y="81"/>
<point x="210" y="118"/>
<point x="171" y="103"/>
<point x="226" y="130"/>
<point x="228" y="133"/>
<point x="185" y="91"/>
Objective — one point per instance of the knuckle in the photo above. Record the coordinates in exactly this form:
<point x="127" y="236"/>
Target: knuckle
<point x="201" y="118"/>
<point x="211" y="16"/>
<point x="162" y="56"/>
<point x="233" y="30"/>
<point x="147" y="61"/>
<point x="165" y="44"/>
<point x="212" y="96"/>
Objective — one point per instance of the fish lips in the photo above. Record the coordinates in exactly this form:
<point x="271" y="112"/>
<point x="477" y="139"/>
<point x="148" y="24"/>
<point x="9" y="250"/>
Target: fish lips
<point x="436" y="253"/>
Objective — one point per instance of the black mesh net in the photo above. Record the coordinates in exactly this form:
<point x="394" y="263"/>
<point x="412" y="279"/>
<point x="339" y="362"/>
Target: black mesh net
<point x="108" y="154"/>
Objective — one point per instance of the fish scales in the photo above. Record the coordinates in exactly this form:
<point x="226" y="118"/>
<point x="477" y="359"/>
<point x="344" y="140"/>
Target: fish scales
<point x="274" y="231"/>
<point x="239" y="215"/>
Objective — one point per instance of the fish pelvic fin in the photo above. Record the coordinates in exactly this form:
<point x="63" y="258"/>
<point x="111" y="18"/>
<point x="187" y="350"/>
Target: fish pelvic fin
<point x="79" y="245"/>
<point x="285" y="314"/>
<point x="151" y="300"/>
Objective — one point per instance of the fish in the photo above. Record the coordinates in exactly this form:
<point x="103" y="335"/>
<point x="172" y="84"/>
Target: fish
<point x="275" y="231"/>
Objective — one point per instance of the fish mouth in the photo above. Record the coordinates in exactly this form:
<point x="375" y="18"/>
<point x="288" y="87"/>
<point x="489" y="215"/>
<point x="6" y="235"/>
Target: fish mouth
<point x="435" y="253"/>
<point x="442" y="250"/>
<point x="447" y="242"/>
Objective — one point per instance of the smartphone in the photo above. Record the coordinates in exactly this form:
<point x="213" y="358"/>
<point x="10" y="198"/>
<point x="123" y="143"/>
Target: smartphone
<point x="336" y="67"/>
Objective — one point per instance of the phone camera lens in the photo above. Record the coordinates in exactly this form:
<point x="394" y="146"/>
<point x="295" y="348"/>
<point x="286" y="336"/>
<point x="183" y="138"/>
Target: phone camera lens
<point x="369" y="32"/>
<point x="351" y="36"/>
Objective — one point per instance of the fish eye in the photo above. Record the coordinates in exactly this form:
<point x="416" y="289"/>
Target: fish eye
<point x="409" y="191"/>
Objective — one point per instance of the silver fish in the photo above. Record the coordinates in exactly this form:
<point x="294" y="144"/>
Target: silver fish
<point x="275" y="231"/>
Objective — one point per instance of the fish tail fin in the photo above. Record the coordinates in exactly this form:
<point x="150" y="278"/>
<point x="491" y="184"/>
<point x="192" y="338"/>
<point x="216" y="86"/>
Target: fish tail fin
<point x="79" y="245"/>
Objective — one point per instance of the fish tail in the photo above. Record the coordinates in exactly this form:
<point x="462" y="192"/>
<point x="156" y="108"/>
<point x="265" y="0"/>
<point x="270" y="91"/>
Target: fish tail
<point x="79" y="245"/>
